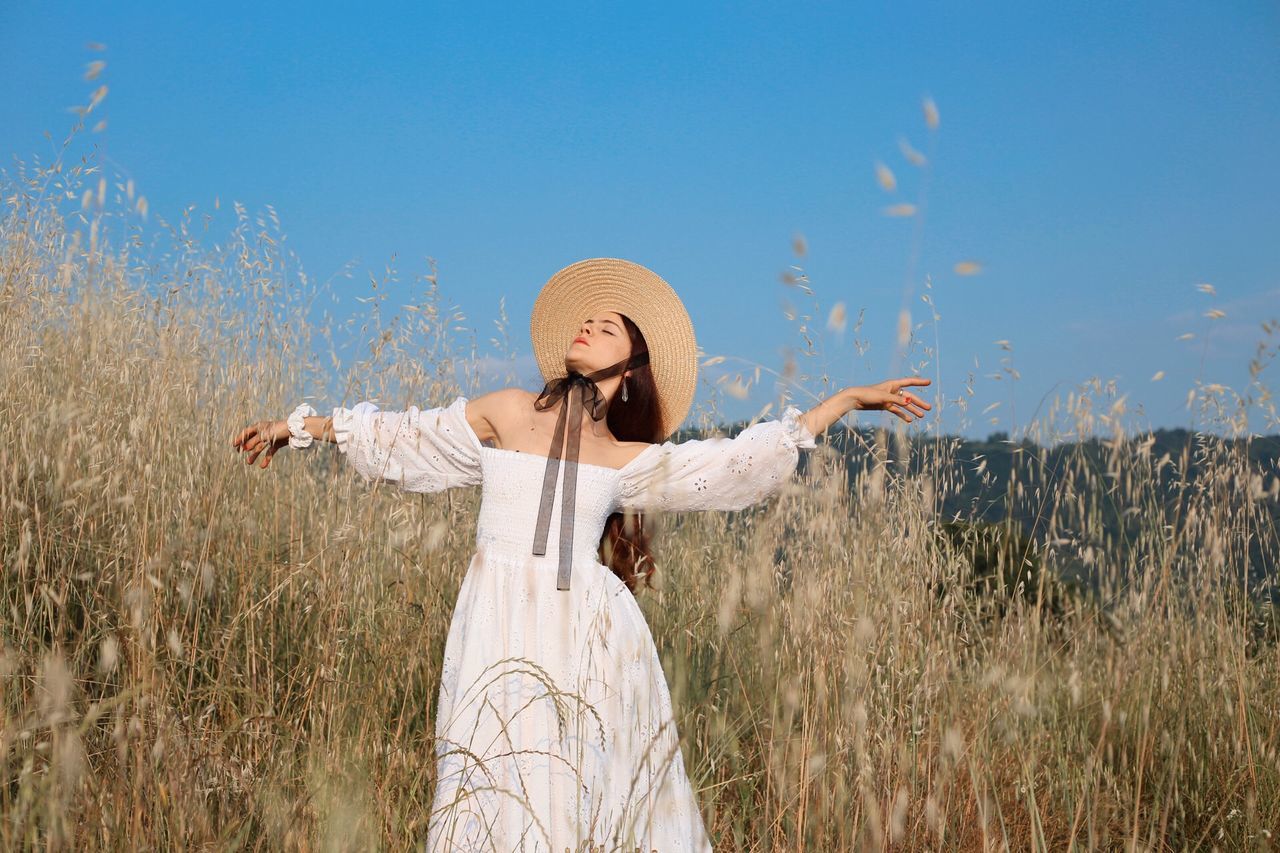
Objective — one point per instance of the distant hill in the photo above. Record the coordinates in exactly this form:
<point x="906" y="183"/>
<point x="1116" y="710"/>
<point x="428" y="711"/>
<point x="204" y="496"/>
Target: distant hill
<point x="975" y="491"/>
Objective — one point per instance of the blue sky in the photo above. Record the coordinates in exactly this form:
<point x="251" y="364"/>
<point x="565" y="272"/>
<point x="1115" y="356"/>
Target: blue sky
<point x="1099" y="160"/>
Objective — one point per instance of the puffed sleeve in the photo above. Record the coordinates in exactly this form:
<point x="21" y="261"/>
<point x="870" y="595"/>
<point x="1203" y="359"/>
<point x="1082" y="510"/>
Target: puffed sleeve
<point x="420" y="450"/>
<point x="716" y="473"/>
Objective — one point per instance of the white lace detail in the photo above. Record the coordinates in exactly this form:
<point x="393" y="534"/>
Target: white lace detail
<point x="717" y="473"/>
<point x="421" y="450"/>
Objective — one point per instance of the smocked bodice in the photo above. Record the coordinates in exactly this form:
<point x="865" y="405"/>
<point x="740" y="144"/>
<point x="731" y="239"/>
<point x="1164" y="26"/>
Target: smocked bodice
<point x="510" y="493"/>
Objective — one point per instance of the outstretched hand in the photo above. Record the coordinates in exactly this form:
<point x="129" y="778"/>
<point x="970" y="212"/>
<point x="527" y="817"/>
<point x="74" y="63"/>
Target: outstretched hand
<point x="889" y="396"/>
<point x="264" y="435"/>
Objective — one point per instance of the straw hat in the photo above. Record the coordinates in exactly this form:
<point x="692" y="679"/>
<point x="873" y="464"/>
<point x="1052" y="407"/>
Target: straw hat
<point x="612" y="284"/>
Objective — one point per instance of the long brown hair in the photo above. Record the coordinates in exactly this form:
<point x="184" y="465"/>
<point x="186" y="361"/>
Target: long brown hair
<point x="624" y="547"/>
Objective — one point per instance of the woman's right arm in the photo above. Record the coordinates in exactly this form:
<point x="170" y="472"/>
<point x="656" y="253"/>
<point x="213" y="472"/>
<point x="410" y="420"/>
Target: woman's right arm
<point x="418" y="449"/>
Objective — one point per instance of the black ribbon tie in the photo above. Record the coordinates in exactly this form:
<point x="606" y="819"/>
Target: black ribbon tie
<point x="575" y="393"/>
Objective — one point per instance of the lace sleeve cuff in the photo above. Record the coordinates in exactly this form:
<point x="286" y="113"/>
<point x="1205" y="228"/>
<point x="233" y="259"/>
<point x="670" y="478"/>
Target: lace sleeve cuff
<point x="796" y="430"/>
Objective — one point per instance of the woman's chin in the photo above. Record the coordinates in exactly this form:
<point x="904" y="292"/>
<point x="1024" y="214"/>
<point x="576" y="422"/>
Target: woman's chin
<point x="576" y="360"/>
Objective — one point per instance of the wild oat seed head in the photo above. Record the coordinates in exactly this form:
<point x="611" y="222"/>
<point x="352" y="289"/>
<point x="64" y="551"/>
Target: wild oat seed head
<point x="913" y="156"/>
<point x="930" y="113"/>
<point x="884" y="176"/>
<point x="836" y="319"/>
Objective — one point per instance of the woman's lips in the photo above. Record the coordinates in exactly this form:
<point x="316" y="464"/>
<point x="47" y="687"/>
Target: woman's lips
<point x="582" y="341"/>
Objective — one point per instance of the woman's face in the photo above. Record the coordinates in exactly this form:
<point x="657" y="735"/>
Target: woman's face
<point x="601" y="341"/>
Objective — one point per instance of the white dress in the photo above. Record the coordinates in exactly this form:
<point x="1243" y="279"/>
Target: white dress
<point x="554" y="726"/>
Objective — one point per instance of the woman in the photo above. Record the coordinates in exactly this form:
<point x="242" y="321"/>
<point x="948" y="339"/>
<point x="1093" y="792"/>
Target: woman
<point x="554" y="726"/>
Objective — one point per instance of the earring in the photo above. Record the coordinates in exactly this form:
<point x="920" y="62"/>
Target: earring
<point x="624" y="389"/>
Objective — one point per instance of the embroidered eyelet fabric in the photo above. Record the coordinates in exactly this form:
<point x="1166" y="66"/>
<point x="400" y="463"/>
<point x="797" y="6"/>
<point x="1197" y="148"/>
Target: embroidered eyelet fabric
<point x="554" y="724"/>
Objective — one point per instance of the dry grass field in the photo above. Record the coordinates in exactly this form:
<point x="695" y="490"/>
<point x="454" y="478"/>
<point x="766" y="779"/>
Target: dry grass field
<point x="195" y="654"/>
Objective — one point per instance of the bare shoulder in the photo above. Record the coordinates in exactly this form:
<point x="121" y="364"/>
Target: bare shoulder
<point x="629" y="450"/>
<point x="488" y="412"/>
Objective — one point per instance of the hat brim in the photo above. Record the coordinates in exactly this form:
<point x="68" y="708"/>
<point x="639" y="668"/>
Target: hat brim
<point x="611" y="284"/>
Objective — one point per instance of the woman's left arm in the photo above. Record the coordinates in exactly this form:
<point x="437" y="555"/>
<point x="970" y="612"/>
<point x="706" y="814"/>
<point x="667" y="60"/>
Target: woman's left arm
<point x="717" y="473"/>
<point x="885" y="396"/>
<point x="733" y="473"/>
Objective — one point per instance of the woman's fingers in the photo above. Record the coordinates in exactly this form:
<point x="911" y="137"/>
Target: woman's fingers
<point x="915" y="405"/>
<point x="257" y="446"/>
<point x="895" y="400"/>
<point x="244" y="436"/>
<point x="892" y="405"/>
<point x="906" y="406"/>
<point x="909" y="401"/>
<point x="250" y="436"/>
<point x="913" y="400"/>
<point x="271" y="451"/>
<point x="257" y="443"/>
